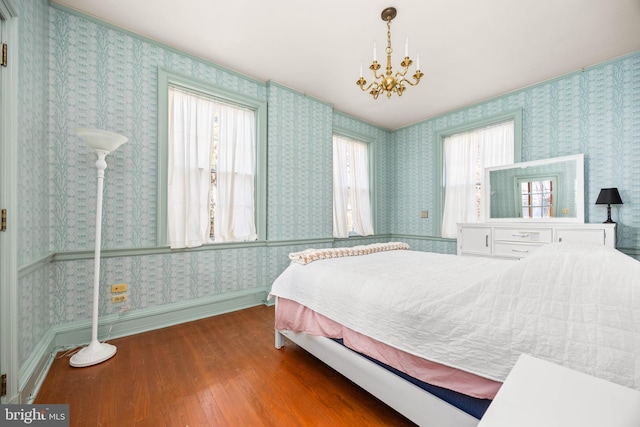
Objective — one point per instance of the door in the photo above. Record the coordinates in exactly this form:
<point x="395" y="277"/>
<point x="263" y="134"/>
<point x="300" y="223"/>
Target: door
<point x="474" y="240"/>
<point x="3" y="291"/>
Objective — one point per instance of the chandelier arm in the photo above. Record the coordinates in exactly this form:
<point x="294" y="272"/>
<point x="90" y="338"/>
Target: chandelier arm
<point x="364" y="89"/>
<point x="416" y="79"/>
<point x="375" y="71"/>
<point x="402" y="72"/>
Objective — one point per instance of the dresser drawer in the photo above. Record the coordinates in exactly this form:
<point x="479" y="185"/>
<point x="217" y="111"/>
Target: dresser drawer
<point x="514" y="250"/>
<point x="541" y="235"/>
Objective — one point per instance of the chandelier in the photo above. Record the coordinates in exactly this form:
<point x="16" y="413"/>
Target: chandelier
<point x="388" y="82"/>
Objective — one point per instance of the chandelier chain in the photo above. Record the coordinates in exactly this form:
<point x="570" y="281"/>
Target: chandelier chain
<point x="389" y="50"/>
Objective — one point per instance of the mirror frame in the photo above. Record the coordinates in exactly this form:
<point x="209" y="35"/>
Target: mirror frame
<point x="579" y="217"/>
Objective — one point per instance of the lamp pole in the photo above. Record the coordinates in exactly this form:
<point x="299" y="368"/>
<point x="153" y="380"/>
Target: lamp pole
<point x="102" y="142"/>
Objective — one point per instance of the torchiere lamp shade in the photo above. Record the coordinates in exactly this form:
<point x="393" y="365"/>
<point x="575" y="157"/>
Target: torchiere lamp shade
<point x="609" y="196"/>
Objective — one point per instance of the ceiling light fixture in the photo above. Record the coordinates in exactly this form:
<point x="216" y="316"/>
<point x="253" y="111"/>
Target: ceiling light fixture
<point x="388" y="82"/>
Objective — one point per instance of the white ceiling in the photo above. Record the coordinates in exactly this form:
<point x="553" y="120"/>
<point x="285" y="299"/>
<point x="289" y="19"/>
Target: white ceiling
<point x="470" y="50"/>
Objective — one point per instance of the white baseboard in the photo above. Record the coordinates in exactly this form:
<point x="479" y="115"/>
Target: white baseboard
<point x="36" y="367"/>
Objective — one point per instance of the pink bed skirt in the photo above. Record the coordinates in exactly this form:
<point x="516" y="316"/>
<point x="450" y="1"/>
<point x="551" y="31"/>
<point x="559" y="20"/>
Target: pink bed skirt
<point x="298" y="318"/>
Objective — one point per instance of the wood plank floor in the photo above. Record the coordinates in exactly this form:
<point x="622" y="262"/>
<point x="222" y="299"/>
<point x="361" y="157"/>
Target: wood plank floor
<point x="220" y="371"/>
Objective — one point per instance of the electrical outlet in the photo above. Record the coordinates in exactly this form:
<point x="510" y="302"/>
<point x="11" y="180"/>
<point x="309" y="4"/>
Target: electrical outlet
<point x="424" y="214"/>
<point x="119" y="298"/>
<point x="122" y="287"/>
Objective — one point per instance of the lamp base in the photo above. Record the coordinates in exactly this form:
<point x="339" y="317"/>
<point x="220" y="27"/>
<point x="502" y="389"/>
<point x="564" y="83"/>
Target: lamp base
<point x="93" y="354"/>
<point x="609" y="220"/>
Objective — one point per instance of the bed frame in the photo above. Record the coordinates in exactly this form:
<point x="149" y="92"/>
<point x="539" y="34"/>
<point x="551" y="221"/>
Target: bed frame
<point x="419" y="406"/>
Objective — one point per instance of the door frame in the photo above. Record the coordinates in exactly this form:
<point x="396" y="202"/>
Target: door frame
<point x="9" y="363"/>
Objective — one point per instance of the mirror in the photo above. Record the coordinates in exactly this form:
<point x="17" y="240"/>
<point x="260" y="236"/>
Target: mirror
<point x="542" y="190"/>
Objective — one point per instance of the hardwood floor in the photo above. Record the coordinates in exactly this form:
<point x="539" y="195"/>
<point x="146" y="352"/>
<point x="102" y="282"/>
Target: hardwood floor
<point x="220" y="371"/>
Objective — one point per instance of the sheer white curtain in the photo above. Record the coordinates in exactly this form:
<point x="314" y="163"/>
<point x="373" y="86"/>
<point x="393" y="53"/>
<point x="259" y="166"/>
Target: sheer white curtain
<point x="340" y="188"/>
<point x="234" y="210"/>
<point x="191" y="121"/>
<point x="466" y="156"/>
<point x="461" y="156"/>
<point x="351" y="183"/>
<point x="360" y="193"/>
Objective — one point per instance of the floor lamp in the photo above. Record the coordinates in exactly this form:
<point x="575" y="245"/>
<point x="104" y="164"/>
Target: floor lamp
<point x="102" y="142"/>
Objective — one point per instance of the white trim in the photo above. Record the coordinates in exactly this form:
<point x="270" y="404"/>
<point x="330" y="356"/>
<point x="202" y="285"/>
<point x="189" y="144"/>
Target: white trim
<point x="9" y="201"/>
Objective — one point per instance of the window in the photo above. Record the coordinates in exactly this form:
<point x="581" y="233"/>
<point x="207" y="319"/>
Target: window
<point x="211" y="164"/>
<point x="536" y="196"/>
<point x="466" y="154"/>
<point x="351" y="190"/>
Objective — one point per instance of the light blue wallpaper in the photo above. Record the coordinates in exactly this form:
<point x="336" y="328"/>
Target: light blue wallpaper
<point x="108" y="79"/>
<point x="412" y="181"/>
<point x="299" y="166"/>
<point x="33" y="290"/>
<point x="34" y="312"/>
<point x="98" y="76"/>
<point x="156" y="280"/>
<point x="33" y="167"/>
<point x="594" y="112"/>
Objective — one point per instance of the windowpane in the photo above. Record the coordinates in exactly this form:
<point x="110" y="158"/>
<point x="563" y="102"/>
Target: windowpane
<point x="537" y="198"/>
<point x="351" y="198"/>
<point x="349" y="186"/>
<point x="466" y="155"/>
<point x="196" y="142"/>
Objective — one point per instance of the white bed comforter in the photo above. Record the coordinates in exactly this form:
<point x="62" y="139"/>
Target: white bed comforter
<point x="575" y="305"/>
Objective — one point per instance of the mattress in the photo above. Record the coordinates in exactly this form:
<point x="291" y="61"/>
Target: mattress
<point x="573" y="305"/>
<point x="298" y="318"/>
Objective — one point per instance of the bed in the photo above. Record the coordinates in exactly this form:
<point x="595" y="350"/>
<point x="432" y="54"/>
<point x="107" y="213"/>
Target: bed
<point x="366" y="311"/>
